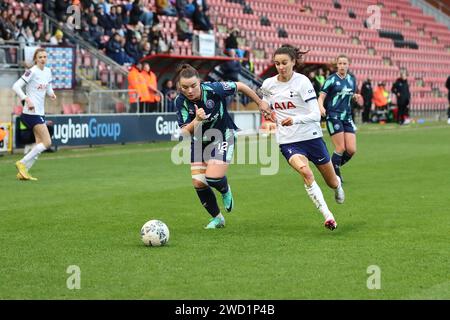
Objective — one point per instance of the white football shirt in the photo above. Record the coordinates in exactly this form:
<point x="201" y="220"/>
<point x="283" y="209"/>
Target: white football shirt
<point x="289" y="99"/>
<point x="38" y="84"/>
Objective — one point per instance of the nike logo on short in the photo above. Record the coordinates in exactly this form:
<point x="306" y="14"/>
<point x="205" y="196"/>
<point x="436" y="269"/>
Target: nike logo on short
<point x="320" y="160"/>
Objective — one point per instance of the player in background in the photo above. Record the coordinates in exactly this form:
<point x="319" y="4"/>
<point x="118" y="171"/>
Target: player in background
<point x="335" y="104"/>
<point x="299" y="134"/>
<point x="37" y="82"/>
<point x="203" y="115"/>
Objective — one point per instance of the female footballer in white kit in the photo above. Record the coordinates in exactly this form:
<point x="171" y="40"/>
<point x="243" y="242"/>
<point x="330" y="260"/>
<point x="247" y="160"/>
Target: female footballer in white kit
<point x="37" y="83"/>
<point x="291" y="95"/>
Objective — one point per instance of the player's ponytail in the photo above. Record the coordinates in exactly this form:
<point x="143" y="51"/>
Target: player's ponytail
<point x="186" y="71"/>
<point x="293" y="52"/>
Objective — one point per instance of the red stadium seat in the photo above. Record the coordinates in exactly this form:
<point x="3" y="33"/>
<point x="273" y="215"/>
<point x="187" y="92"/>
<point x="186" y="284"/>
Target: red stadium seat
<point x="120" y="107"/>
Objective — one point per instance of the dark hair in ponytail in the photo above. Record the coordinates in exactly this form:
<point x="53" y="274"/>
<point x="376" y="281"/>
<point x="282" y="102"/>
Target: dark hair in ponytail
<point x="293" y="52"/>
<point x="186" y="71"/>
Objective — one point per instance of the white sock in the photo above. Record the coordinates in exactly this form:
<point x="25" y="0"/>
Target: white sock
<point x="317" y="198"/>
<point x="30" y="163"/>
<point x="31" y="156"/>
<point x="28" y="148"/>
<point x="220" y="216"/>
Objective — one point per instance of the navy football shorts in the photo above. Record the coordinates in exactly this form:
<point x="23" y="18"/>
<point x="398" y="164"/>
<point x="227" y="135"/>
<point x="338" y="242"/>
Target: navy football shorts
<point x="335" y="126"/>
<point x="216" y="150"/>
<point x="315" y="150"/>
<point x="31" y="120"/>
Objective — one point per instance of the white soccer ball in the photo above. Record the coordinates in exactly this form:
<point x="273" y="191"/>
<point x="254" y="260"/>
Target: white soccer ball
<point x="155" y="233"/>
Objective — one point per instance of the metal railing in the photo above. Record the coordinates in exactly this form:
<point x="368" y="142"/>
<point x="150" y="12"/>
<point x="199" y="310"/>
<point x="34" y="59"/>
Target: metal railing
<point x="118" y="101"/>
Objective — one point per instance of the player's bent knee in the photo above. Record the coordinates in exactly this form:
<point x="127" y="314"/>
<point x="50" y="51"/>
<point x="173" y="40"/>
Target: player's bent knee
<point x="198" y="184"/>
<point x="198" y="174"/>
<point x="307" y="173"/>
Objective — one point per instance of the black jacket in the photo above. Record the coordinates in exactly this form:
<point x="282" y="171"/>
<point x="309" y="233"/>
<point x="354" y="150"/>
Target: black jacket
<point x="401" y="89"/>
<point x="367" y="92"/>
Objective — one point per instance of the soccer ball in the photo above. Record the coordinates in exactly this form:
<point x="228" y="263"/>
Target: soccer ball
<point x="155" y="233"/>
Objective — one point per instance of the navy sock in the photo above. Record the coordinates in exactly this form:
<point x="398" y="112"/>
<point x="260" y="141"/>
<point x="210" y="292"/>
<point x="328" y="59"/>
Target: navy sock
<point x="208" y="200"/>
<point x="220" y="184"/>
<point x="336" y="159"/>
<point x="346" y="158"/>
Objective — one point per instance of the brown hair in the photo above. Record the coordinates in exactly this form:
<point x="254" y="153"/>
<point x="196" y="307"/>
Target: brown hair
<point x="293" y="52"/>
<point x="186" y="71"/>
<point x="342" y="55"/>
<point x="38" y="50"/>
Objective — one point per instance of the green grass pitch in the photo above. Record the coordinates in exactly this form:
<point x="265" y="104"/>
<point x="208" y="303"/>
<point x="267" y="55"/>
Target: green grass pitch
<point x="89" y="205"/>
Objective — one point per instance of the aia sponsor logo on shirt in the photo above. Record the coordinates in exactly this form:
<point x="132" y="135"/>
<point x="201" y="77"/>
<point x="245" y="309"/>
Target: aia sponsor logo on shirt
<point x="41" y="87"/>
<point x="283" y="105"/>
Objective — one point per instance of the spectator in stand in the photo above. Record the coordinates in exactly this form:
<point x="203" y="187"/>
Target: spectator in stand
<point x="132" y="47"/>
<point x="151" y="105"/>
<point x="447" y="85"/>
<point x="232" y="68"/>
<point x="31" y="21"/>
<point x="185" y="8"/>
<point x="122" y="15"/>
<point x="61" y="9"/>
<point x="165" y="8"/>
<point x="231" y="41"/>
<point x="47" y="37"/>
<point x="200" y="18"/>
<point x="183" y="30"/>
<point x="104" y="19"/>
<point x="115" y="50"/>
<point x="95" y="33"/>
<point x="38" y="37"/>
<point x="114" y="19"/>
<point x="401" y="90"/>
<point x="367" y="94"/>
<point x="57" y="38"/>
<point x="140" y="13"/>
<point x="49" y="8"/>
<point x="105" y="5"/>
<point x="170" y="93"/>
<point x="158" y="40"/>
<point x="26" y="37"/>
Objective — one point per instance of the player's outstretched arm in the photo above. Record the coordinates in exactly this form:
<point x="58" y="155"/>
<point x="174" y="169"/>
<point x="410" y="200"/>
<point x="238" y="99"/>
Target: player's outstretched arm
<point x="263" y="106"/>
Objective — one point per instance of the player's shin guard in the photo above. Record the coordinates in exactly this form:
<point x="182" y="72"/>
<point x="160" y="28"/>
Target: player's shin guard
<point x="346" y="158"/>
<point x="208" y="200"/>
<point x="317" y="198"/>
<point x="220" y="184"/>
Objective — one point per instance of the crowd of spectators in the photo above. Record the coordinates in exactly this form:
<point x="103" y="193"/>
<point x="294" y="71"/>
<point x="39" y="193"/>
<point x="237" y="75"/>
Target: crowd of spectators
<point x="125" y="30"/>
